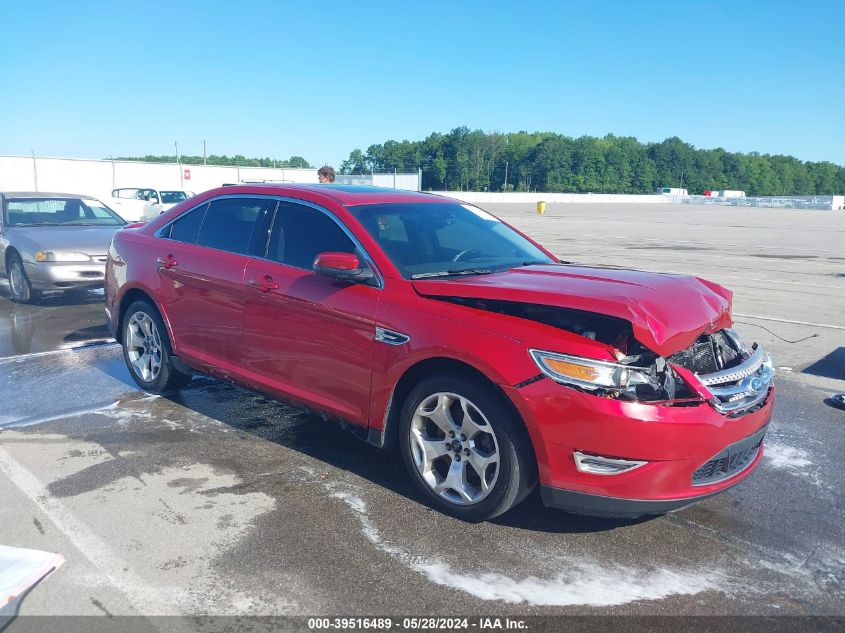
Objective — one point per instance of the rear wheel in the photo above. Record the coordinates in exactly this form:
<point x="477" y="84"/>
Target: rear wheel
<point x="147" y="350"/>
<point x="465" y="449"/>
<point x="20" y="287"/>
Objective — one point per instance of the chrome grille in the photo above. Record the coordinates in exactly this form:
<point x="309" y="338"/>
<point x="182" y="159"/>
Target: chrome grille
<point x="743" y="387"/>
<point x="739" y="378"/>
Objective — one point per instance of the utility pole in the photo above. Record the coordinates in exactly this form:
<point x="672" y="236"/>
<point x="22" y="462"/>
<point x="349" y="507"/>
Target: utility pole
<point x="203" y="153"/>
<point x="506" y="176"/>
<point x="34" y="169"/>
<point x="176" y="143"/>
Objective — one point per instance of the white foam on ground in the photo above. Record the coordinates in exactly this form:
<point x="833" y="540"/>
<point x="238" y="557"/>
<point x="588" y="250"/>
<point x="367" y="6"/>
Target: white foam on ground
<point x="10" y="422"/>
<point x="583" y="582"/>
<point x="785" y="457"/>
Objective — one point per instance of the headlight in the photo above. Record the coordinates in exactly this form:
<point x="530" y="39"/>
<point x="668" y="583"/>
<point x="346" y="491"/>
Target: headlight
<point x="588" y="373"/>
<point x="61" y="256"/>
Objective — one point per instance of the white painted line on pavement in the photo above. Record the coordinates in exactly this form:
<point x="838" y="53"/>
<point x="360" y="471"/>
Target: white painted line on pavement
<point x="145" y="598"/>
<point x="765" y="318"/>
<point x="53" y="352"/>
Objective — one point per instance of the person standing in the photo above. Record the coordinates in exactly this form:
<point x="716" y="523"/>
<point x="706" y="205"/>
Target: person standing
<point x="325" y="174"/>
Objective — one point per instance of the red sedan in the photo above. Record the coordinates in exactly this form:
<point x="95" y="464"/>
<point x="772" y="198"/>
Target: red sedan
<point x="424" y="323"/>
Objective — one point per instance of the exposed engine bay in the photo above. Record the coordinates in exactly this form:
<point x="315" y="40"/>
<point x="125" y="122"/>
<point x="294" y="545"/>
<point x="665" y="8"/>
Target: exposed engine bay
<point x="652" y="378"/>
<point x="598" y="327"/>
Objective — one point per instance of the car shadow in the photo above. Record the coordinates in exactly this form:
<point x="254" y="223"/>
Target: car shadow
<point x="830" y="366"/>
<point x="93" y="333"/>
<point x="72" y="298"/>
<point x="274" y="421"/>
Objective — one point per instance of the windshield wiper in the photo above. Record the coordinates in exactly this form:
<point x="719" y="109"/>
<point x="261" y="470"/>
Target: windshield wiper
<point x="32" y="224"/>
<point x="454" y="272"/>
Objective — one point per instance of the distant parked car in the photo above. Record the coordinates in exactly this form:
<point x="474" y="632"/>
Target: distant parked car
<point x="135" y="204"/>
<point x="53" y="241"/>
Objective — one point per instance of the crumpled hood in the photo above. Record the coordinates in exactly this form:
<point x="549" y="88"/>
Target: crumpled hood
<point x="667" y="312"/>
<point x="91" y="240"/>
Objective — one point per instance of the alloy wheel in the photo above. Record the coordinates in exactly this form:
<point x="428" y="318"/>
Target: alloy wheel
<point x="143" y="346"/>
<point x="454" y="448"/>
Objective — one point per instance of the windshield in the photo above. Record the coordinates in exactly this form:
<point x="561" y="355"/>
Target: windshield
<point x="60" y="212"/>
<point x="429" y="239"/>
<point x="173" y="197"/>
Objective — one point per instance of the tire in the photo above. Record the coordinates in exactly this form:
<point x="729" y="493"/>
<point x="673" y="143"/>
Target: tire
<point x="490" y="461"/>
<point x="20" y="288"/>
<point x="147" y="350"/>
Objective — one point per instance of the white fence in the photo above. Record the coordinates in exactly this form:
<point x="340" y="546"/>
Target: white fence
<point x="98" y="177"/>
<point x="834" y="203"/>
<point x="791" y="202"/>
<point x="409" y="182"/>
<point x="482" y="197"/>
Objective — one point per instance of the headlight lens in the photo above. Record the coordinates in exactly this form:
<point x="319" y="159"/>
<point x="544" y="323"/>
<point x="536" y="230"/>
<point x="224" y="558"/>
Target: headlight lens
<point x="61" y="256"/>
<point x="588" y="373"/>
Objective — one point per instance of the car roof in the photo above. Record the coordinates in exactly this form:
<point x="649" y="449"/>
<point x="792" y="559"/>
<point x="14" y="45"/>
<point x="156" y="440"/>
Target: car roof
<point x="40" y="194"/>
<point x="348" y="195"/>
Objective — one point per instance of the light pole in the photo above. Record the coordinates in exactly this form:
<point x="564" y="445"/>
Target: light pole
<point x="34" y="168"/>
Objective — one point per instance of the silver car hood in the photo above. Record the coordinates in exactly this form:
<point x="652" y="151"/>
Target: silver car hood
<point x="91" y="240"/>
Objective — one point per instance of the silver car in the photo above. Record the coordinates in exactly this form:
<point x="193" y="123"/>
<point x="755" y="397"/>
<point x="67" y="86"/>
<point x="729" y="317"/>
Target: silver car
<point x="53" y="241"/>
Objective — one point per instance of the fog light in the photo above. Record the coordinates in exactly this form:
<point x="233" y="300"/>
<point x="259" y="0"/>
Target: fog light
<point x="597" y="465"/>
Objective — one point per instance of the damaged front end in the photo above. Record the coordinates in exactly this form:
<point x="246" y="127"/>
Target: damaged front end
<point x="718" y="368"/>
<point x="738" y="379"/>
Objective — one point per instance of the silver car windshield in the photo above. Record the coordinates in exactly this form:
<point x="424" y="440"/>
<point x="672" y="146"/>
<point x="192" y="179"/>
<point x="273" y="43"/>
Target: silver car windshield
<point x="60" y="212"/>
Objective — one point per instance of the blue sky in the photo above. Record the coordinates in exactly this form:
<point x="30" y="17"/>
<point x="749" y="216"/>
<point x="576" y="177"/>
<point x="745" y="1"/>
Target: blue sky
<point x="318" y="79"/>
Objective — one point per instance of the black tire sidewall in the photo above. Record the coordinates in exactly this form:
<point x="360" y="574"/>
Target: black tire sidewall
<point x="168" y="377"/>
<point x="516" y="464"/>
<point x="29" y="295"/>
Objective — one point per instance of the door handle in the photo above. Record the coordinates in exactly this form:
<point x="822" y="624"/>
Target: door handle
<point x="166" y="262"/>
<point x="265" y="284"/>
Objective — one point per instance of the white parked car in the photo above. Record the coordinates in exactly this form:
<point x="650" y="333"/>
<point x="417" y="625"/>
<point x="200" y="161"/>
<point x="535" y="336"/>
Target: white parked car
<point x="135" y="204"/>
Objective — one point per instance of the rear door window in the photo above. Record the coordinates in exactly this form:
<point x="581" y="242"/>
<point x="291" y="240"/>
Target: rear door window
<point x="229" y="223"/>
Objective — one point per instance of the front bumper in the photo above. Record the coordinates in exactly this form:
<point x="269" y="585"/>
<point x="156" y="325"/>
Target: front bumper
<point x="676" y="441"/>
<point x="61" y="276"/>
<point x="611" y="507"/>
<point x="741" y="456"/>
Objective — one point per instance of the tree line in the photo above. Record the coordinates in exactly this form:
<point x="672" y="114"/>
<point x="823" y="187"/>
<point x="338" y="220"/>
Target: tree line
<point x="228" y="161"/>
<point x="474" y="160"/>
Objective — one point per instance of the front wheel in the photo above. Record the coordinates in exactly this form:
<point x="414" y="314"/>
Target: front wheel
<point x="465" y="449"/>
<point x="147" y="350"/>
<point x="20" y="287"/>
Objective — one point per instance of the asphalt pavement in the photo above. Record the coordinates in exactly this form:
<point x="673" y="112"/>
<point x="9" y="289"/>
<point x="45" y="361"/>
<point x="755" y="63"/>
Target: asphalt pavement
<point x="220" y="500"/>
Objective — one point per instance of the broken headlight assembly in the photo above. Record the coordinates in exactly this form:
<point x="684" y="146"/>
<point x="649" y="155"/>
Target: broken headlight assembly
<point x="654" y="383"/>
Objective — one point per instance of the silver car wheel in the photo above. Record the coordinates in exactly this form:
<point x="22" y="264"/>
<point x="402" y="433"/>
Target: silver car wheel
<point x="143" y="346"/>
<point x="454" y="448"/>
<point x="17" y="279"/>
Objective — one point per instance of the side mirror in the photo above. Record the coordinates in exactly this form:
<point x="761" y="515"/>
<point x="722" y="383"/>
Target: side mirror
<point x="342" y="266"/>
